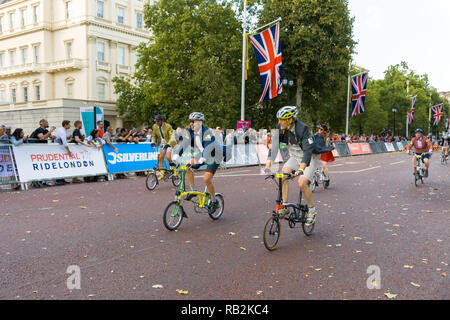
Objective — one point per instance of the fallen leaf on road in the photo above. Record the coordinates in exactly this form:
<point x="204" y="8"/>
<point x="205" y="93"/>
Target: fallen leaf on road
<point x="182" y="292"/>
<point x="415" y="232"/>
<point x="408" y="267"/>
<point x="188" y="241"/>
<point x="258" y="292"/>
<point x="255" y="237"/>
<point x="430" y="211"/>
<point x="35" y="291"/>
<point x="338" y="245"/>
<point x="141" y="277"/>
<point x="231" y="233"/>
<point x="443" y="274"/>
<point x="55" y="200"/>
<point x="393" y="197"/>
<point x="439" y="240"/>
<point x="391" y="295"/>
<point x="208" y="261"/>
<point x="357" y="238"/>
<point x="396" y="225"/>
<point x="83" y="207"/>
<point x="415" y="284"/>
<point x="117" y="214"/>
<point x="28" y="232"/>
<point x="369" y="242"/>
<point x="318" y="269"/>
<point x="242" y="248"/>
<point x="358" y="251"/>
<point x="157" y="286"/>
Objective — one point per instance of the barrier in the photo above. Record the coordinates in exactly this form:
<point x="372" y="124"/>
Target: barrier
<point x="7" y="170"/>
<point x="130" y="158"/>
<point x="400" y="146"/>
<point x="342" y="149"/>
<point x="244" y="155"/>
<point x="389" y="146"/>
<point x="51" y="161"/>
<point x="382" y="147"/>
<point x="263" y="152"/>
<point x="374" y="147"/>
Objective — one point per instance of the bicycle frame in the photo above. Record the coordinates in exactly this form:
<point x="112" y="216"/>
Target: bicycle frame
<point x="182" y="193"/>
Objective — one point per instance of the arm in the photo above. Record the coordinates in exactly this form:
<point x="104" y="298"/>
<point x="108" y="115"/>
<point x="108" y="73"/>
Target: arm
<point x="307" y="146"/>
<point x="172" y="142"/>
<point x="16" y="142"/>
<point x="79" y="141"/>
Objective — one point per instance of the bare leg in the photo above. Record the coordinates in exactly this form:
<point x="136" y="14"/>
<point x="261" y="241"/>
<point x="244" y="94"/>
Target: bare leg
<point x="190" y="174"/>
<point x="207" y="179"/>
<point x="285" y="191"/>
<point x="325" y="170"/>
<point x="304" y="183"/>
<point x="161" y="159"/>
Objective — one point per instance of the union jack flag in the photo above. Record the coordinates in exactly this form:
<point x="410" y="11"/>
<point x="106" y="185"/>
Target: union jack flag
<point x="359" y="86"/>
<point x="267" y="47"/>
<point x="437" y="114"/>
<point x="411" y="112"/>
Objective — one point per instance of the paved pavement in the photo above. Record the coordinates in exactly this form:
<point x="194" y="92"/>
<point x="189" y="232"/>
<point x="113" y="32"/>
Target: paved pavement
<point x="371" y="215"/>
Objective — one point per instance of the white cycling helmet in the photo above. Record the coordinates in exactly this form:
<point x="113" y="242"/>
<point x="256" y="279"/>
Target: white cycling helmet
<point x="197" y="116"/>
<point x="287" y="113"/>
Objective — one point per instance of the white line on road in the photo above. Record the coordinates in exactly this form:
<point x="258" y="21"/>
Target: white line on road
<point x="397" y="162"/>
<point x="356" y="171"/>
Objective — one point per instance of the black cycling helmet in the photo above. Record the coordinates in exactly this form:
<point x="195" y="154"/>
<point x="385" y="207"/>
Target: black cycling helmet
<point x="324" y="127"/>
<point x="420" y="130"/>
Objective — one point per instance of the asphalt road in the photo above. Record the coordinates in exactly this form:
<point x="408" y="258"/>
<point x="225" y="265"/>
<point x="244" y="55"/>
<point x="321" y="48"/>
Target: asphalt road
<point x="371" y="215"/>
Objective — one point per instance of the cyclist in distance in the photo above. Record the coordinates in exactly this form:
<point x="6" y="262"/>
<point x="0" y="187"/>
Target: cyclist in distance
<point x="423" y="147"/>
<point x="163" y="136"/>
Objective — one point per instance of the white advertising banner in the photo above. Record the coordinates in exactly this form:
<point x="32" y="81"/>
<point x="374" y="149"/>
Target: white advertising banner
<point x="389" y="147"/>
<point x="48" y="161"/>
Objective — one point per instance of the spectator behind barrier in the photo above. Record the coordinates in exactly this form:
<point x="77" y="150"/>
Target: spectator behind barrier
<point x="95" y="140"/>
<point x="18" y="137"/>
<point x="3" y="136"/>
<point x="77" y="136"/>
<point x="41" y="134"/>
<point x="107" y="137"/>
<point x="100" y="126"/>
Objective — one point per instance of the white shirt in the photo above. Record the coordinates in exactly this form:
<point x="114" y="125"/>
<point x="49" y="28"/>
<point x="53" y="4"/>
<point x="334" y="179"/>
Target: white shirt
<point x="61" y="136"/>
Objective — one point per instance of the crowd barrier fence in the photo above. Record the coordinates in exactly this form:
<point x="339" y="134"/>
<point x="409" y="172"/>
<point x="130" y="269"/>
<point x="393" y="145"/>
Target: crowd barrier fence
<point x="39" y="162"/>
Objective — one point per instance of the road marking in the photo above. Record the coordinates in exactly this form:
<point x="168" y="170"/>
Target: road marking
<point x="397" y="162"/>
<point x="336" y="165"/>
<point x="356" y="171"/>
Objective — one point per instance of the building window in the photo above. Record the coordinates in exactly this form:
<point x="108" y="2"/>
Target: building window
<point x="36" y="54"/>
<point x="1" y="59"/>
<point x="2" y="96"/>
<point x="1" y="23"/>
<point x="35" y="14"/>
<point x="38" y="92"/>
<point x="12" y="55"/>
<point x="100" y="9"/>
<point x="11" y="21"/>
<point x="101" y="91"/>
<point x="120" y="14"/>
<point x="23" y="14"/>
<point x="139" y="20"/>
<point x="100" y="51"/>
<point x="25" y="94"/>
<point x="70" y="90"/>
<point x="121" y="55"/>
<point x="24" y="55"/>
<point x="13" y="95"/>
<point x="68" y="50"/>
<point x="68" y="9"/>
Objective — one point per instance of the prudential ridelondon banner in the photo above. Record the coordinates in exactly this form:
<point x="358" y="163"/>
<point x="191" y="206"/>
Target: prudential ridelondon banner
<point x="45" y="162"/>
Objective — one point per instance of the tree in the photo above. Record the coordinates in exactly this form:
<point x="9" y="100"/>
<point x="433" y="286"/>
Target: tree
<point x="193" y="63"/>
<point x="317" y="43"/>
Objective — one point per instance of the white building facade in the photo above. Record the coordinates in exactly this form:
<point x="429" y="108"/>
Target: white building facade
<point x="59" y="55"/>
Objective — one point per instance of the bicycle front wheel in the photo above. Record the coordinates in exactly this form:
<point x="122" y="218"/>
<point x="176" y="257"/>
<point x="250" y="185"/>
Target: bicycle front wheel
<point x="313" y="184"/>
<point x="272" y="233"/>
<point x="151" y="181"/>
<point x="176" y="180"/>
<point x="173" y="215"/>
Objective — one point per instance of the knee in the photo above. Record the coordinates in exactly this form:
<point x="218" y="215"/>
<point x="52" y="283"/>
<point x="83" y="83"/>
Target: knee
<point x="207" y="179"/>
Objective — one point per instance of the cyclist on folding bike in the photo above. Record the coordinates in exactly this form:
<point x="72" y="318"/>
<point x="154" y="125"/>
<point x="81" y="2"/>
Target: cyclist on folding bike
<point x="163" y="136"/>
<point x="299" y="141"/>
<point x="445" y="143"/>
<point x="200" y="137"/>
<point x="423" y="147"/>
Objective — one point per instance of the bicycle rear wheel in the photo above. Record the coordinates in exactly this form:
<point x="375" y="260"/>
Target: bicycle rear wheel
<point x="308" y="230"/>
<point x="151" y="181"/>
<point x="313" y="184"/>
<point x="272" y="233"/>
<point x="173" y="215"/>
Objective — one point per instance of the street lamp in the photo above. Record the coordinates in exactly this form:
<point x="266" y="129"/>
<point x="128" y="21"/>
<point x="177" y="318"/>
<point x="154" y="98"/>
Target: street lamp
<point x="394" y="110"/>
<point x="287" y="82"/>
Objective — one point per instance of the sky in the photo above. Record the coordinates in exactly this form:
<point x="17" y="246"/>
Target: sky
<point x="415" y="31"/>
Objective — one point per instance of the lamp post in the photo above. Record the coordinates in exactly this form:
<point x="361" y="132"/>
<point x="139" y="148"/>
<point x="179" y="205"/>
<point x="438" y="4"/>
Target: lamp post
<point x="394" y="110"/>
<point x="287" y="82"/>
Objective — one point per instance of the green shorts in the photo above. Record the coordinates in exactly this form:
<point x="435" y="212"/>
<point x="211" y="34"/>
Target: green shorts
<point x="212" y="168"/>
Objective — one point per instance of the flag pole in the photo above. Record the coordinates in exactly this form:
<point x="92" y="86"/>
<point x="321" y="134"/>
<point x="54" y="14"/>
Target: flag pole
<point x="244" y="35"/>
<point x="269" y="24"/>
<point x="348" y="96"/>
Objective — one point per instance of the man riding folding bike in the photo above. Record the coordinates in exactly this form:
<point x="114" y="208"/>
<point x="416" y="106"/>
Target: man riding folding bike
<point x="163" y="137"/>
<point x="423" y="147"/>
<point x="300" y="142"/>
<point x="200" y="137"/>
